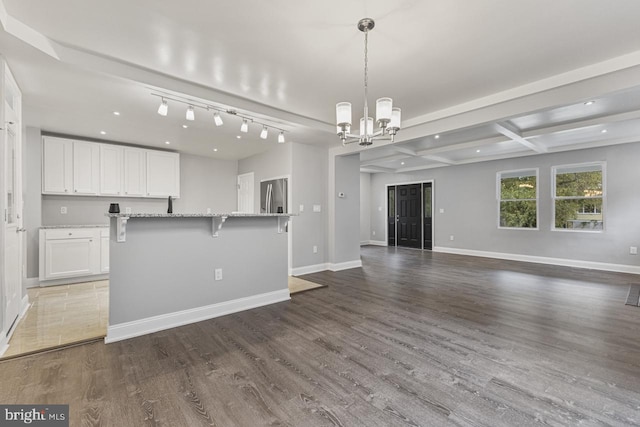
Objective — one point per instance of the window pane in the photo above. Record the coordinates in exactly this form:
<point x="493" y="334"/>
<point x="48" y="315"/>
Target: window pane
<point x="518" y="214"/>
<point x="579" y="214"/>
<point x="427" y="201"/>
<point x="392" y="201"/>
<point x="579" y="184"/>
<point x="519" y="187"/>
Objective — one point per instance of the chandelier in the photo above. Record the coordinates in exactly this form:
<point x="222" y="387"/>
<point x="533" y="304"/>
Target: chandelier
<point x="387" y="117"/>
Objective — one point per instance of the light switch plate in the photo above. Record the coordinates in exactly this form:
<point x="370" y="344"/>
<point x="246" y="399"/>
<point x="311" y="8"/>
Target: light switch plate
<point x="63" y="210"/>
<point x="317" y="208"/>
<point x="301" y="208"/>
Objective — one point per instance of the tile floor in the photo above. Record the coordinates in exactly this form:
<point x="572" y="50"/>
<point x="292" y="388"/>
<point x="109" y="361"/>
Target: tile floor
<point x="61" y="315"/>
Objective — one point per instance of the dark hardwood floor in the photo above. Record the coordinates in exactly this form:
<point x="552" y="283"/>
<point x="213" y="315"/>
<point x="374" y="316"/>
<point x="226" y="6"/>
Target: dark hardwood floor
<point x="413" y="338"/>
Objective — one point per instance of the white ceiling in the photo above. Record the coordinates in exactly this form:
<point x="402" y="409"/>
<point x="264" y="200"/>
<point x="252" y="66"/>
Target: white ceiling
<point x="481" y="74"/>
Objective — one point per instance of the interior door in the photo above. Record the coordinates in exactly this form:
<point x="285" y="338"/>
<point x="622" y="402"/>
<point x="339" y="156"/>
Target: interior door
<point x="409" y="215"/>
<point x="12" y="215"/>
<point x="427" y="212"/>
<point x="245" y="193"/>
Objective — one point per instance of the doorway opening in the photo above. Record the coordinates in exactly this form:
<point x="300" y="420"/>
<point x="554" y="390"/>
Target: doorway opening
<point x="410" y="215"/>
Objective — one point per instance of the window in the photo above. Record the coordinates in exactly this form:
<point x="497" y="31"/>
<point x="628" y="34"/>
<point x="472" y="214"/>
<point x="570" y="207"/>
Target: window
<point x="578" y="196"/>
<point x="518" y="199"/>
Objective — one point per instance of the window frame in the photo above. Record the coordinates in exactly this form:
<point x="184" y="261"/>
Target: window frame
<point x="500" y="200"/>
<point x="554" y="171"/>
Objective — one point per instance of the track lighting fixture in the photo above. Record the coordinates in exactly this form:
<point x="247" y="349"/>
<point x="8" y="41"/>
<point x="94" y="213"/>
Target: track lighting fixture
<point x="217" y="119"/>
<point x="192" y="104"/>
<point x="191" y="115"/>
<point x="163" y="108"/>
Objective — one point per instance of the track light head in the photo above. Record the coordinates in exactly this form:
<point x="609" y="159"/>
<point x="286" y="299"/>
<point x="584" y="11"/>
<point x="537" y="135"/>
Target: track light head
<point x="191" y="115"/>
<point x="281" y="138"/>
<point x="264" y="132"/>
<point x="217" y="119"/>
<point x="163" y="108"/>
<point x="245" y="126"/>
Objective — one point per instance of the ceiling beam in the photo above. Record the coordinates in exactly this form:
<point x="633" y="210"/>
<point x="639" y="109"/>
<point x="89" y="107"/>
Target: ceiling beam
<point x="439" y="159"/>
<point x="405" y="150"/>
<point x="460" y="146"/>
<point x="381" y="159"/>
<point x="374" y="169"/>
<point x="514" y="134"/>
<point x="621" y="117"/>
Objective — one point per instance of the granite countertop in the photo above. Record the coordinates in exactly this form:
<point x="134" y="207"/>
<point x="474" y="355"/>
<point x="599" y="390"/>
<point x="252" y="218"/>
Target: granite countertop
<point x="47" y="227"/>
<point x="194" y="215"/>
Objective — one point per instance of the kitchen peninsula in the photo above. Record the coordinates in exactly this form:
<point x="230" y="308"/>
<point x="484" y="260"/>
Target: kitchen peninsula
<point x="168" y="270"/>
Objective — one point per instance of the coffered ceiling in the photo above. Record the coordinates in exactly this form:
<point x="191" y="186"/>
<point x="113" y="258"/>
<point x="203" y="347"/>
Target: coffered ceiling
<point x="493" y="79"/>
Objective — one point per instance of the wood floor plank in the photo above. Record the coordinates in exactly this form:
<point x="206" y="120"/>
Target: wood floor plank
<point x="411" y="339"/>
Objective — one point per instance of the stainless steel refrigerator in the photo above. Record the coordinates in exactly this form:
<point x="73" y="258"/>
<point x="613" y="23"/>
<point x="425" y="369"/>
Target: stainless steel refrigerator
<point x="273" y="196"/>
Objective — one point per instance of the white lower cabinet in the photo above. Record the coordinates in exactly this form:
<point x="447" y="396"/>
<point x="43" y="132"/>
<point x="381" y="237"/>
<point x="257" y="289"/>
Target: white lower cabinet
<point x="73" y="253"/>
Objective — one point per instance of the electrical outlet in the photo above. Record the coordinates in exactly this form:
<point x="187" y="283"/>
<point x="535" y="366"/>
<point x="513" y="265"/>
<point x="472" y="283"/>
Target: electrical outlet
<point x="633" y="250"/>
<point x="315" y="249"/>
<point x="127" y="210"/>
<point x="451" y="237"/>
<point x="379" y="208"/>
<point x="317" y="208"/>
<point x="373" y="232"/>
<point x="218" y="273"/>
<point x="63" y="210"/>
<point x="442" y="211"/>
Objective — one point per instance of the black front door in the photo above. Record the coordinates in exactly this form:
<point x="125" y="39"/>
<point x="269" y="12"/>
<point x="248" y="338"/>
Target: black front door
<point x="409" y="215"/>
<point x="427" y="211"/>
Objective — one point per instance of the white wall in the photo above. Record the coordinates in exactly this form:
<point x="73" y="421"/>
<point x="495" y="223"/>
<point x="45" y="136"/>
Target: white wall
<point x="365" y="208"/>
<point x="468" y="196"/>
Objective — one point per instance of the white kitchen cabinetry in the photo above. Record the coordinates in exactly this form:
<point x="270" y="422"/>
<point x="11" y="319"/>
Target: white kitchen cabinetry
<point x="111" y="170"/>
<point x="135" y="176"/>
<point x="163" y="174"/>
<point x="86" y="168"/>
<point x="57" y="166"/>
<point x="104" y="250"/>
<point x="70" y="253"/>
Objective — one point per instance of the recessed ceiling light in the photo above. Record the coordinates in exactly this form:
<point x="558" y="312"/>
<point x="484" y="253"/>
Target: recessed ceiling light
<point x="215" y="149"/>
<point x="184" y="126"/>
<point x="238" y="136"/>
<point x="167" y="142"/>
<point x="102" y="132"/>
<point x="116" y="113"/>
<point x="437" y="137"/>
<point x="477" y="151"/>
<point x="589" y="102"/>
<point x="604" y="131"/>
<point x="402" y="163"/>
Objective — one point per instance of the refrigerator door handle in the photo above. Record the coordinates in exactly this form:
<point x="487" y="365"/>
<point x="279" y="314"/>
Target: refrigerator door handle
<point x="269" y="196"/>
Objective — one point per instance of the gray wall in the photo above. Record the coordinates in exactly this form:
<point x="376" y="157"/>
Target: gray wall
<point x="468" y="196"/>
<point x="347" y="209"/>
<point x="167" y="264"/>
<point x="32" y="189"/>
<point x="276" y="162"/>
<point x="309" y="187"/>
<point x="365" y="203"/>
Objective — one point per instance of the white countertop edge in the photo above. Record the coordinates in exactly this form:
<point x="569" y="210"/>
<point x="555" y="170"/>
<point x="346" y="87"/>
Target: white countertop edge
<point x="51" y="227"/>
<point x="196" y="215"/>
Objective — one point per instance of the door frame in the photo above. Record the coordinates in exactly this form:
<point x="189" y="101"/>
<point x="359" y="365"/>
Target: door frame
<point x="433" y="208"/>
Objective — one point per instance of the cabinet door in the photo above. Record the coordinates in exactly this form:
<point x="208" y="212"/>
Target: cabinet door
<point x="57" y="168"/>
<point x="110" y="170"/>
<point x="163" y="174"/>
<point x="134" y="172"/>
<point x="68" y="258"/>
<point x="86" y="167"/>
<point x="104" y="254"/>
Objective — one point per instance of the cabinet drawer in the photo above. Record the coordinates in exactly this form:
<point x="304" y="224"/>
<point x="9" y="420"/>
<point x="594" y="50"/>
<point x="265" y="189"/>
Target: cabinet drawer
<point x="70" y="233"/>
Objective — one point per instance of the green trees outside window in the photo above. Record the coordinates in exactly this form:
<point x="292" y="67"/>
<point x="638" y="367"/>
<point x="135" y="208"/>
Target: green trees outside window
<point x="518" y="195"/>
<point x="578" y="197"/>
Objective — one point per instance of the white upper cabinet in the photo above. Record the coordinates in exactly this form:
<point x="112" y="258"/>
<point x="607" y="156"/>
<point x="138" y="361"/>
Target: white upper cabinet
<point x="86" y="168"/>
<point x="111" y="170"/>
<point x="57" y="168"/>
<point x="163" y="174"/>
<point x="91" y="169"/>
<point x="135" y="176"/>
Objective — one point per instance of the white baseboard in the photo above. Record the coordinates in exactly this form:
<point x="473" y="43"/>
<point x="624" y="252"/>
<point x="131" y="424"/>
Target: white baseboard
<point x="620" y="268"/>
<point x="149" y="325"/>
<point x="345" y="265"/>
<point x="72" y="280"/>
<point x="377" y="243"/>
<point x="308" y="269"/>
<point x="31" y="282"/>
